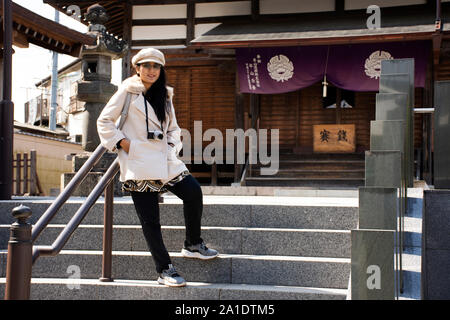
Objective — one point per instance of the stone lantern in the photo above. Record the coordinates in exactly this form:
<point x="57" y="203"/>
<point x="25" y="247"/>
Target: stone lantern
<point x="96" y="88"/>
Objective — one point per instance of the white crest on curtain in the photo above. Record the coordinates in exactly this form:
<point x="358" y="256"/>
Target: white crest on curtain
<point x="280" y="68"/>
<point x="373" y="63"/>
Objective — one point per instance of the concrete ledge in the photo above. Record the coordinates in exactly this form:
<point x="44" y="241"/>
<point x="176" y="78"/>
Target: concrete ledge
<point x="92" y="289"/>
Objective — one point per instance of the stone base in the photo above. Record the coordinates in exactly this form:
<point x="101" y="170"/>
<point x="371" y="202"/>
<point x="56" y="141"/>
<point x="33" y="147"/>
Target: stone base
<point x="94" y="176"/>
<point x="101" y="166"/>
<point x="89" y="183"/>
<point x="436" y="245"/>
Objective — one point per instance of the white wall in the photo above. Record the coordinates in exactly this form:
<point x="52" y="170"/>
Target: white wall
<point x="363" y="4"/>
<point x="289" y="6"/>
<point x="170" y="11"/>
<point x="221" y="9"/>
<point x="158" y="32"/>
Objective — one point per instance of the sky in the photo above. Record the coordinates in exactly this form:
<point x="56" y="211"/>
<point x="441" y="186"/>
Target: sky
<point x="32" y="64"/>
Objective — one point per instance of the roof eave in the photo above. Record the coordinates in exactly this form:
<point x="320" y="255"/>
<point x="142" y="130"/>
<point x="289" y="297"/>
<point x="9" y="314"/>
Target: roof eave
<point x="209" y="42"/>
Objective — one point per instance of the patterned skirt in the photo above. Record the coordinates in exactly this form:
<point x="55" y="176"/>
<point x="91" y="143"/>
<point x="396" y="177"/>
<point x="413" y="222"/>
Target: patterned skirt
<point x="152" y="185"/>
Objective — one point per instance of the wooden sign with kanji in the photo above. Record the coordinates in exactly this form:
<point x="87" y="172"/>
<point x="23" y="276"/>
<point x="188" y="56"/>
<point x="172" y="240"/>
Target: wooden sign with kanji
<point x="334" y="138"/>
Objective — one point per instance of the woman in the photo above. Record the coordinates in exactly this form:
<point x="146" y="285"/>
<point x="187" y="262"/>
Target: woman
<point x="147" y="146"/>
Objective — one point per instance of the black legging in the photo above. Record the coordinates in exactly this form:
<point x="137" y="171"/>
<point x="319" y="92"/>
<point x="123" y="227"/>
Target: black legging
<point x="147" y="209"/>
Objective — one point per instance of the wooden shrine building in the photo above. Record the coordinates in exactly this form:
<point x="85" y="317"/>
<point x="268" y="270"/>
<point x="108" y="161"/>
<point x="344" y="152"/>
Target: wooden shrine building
<point x="287" y="65"/>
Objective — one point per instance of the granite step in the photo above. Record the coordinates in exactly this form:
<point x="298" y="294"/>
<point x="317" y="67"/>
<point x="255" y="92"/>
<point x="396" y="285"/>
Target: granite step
<point x="257" y="212"/>
<point x="93" y="289"/>
<point x="316" y="182"/>
<point x="317" y="272"/>
<point x="255" y="241"/>
<point x="322" y="156"/>
<point x="306" y="164"/>
<point x="271" y="248"/>
<point x="328" y="173"/>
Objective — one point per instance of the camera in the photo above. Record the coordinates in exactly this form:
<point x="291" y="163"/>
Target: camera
<point x="155" y="135"/>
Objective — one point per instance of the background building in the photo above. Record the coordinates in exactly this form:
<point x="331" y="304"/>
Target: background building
<point x="203" y="41"/>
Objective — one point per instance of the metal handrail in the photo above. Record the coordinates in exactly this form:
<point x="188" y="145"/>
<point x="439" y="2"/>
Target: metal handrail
<point x="48" y="215"/>
<point x="244" y="172"/>
<point x="81" y="213"/>
<point x="22" y="254"/>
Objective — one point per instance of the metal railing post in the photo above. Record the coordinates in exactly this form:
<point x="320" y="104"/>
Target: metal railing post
<point x="19" y="260"/>
<point x="107" y="233"/>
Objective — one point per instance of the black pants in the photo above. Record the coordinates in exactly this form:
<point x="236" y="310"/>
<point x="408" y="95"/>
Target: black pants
<point x="147" y="209"/>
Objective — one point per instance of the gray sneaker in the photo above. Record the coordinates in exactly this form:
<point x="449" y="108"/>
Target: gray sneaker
<point x="171" y="278"/>
<point x="199" y="251"/>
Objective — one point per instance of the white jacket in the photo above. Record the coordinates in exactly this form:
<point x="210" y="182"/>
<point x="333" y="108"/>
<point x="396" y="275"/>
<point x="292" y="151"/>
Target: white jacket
<point x="147" y="159"/>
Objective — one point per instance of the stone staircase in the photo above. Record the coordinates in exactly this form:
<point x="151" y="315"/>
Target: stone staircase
<point x="270" y="248"/>
<point x="312" y="170"/>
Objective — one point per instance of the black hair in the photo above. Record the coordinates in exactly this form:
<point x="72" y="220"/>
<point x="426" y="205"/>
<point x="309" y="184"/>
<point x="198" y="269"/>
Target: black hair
<point x="156" y="95"/>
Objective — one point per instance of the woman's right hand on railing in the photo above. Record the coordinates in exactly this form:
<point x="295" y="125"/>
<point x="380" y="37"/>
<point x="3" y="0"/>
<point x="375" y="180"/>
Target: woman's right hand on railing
<point x="125" y="144"/>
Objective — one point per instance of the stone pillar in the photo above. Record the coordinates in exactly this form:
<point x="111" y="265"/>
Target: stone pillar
<point x="400" y="84"/>
<point x="441" y="134"/>
<point x="398" y="68"/>
<point x="436" y="206"/>
<point x="372" y="270"/>
<point x="435" y="245"/>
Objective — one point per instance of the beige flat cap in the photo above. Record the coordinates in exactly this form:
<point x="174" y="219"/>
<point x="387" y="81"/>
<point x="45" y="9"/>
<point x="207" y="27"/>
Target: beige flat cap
<point x="148" y="55"/>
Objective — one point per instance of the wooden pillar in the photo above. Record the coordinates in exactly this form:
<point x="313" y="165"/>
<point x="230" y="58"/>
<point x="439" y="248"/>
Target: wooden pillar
<point x="6" y="106"/>
<point x="190" y="22"/>
<point x="254" y="109"/>
<point x="339" y="6"/>
<point x="127" y="25"/>
<point x="297" y="122"/>
<point x="238" y="123"/>
<point x="18" y="173"/>
<point x="338" y="105"/>
<point x="26" y="188"/>
<point x="255" y="10"/>
<point x="33" y="172"/>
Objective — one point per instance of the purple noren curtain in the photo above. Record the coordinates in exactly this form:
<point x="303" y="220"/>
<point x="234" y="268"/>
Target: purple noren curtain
<point x="353" y="67"/>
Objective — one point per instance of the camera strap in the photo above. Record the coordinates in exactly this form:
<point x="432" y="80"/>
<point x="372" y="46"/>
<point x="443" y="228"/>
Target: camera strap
<point x="146" y="112"/>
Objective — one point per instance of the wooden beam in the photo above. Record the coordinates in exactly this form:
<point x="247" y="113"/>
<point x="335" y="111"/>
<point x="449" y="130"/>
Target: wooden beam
<point x="28" y="19"/>
<point x="316" y="41"/>
<point x="164" y="42"/>
<point x="431" y="3"/>
<point x="191" y="62"/>
<point x="146" y="2"/>
<point x="86" y="2"/>
<point x="20" y="40"/>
